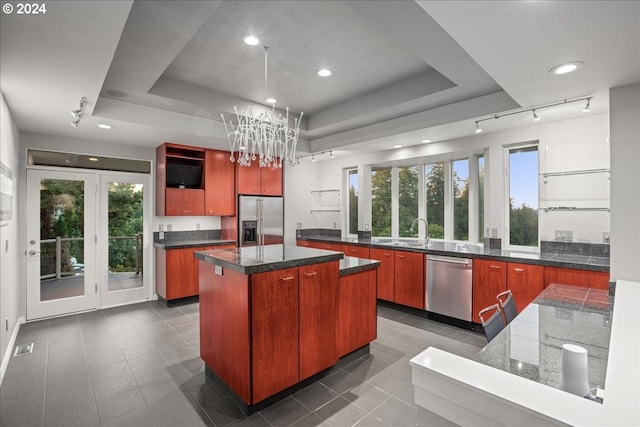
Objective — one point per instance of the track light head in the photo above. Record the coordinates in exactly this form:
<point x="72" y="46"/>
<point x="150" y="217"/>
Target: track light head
<point x="587" y="107"/>
<point x="478" y="129"/>
<point x="76" y="113"/>
<point x="313" y="158"/>
<point x="535" y="116"/>
<point x="75" y="124"/>
<point x="331" y="154"/>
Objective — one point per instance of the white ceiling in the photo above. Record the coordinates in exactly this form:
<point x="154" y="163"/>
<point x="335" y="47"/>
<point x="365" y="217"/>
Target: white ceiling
<point x="403" y="70"/>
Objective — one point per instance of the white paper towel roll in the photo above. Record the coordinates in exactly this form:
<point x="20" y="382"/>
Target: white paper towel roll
<point x="575" y="370"/>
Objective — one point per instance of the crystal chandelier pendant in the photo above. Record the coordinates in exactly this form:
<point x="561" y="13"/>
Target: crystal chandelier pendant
<point x="266" y="138"/>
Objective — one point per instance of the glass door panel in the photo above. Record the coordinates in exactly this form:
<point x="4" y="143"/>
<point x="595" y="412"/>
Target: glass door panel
<point x="60" y="243"/>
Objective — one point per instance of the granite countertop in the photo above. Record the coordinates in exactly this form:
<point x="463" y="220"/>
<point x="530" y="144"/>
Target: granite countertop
<point x="471" y="250"/>
<point x="178" y="244"/>
<point x="352" y="265"/>
<point x="531" y="345"/>
<point x="248" y="260"/>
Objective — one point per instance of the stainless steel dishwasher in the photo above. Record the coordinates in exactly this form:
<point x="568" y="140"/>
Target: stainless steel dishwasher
<point x="449" y="286"/>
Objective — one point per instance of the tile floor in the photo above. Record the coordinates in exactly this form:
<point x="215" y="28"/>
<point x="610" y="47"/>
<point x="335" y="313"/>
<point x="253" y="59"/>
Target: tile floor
<point x="139" y="365"/>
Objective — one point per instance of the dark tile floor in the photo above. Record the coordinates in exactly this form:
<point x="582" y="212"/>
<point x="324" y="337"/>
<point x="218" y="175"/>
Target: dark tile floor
<point x="139" y="365"/>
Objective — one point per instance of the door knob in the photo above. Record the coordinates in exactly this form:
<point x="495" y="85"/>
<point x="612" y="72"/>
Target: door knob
<point x="32" y="252"/>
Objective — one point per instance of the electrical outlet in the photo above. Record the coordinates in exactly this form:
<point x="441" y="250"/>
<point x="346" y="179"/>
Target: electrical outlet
<point x="335" y="225"/>
<point x="169" y="227"/>
<point x="606" y="238"/>
<point x="298" y="225"/>
<point x="197" y="226"/>
<point x="366" y="226"/>
<point x="160" y="227"/>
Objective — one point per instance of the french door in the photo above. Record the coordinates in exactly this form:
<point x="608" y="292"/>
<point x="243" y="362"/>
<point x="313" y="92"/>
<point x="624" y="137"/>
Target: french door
<point x="61" y="243"/>
<point x="88" y="241"/>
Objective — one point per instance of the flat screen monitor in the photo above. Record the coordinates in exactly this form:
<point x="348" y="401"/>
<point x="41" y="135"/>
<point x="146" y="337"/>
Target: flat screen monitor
<point x="184" y="175"/>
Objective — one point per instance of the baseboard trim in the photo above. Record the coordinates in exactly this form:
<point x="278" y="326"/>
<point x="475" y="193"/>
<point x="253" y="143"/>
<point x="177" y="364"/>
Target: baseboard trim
<point x="12" y="343"/>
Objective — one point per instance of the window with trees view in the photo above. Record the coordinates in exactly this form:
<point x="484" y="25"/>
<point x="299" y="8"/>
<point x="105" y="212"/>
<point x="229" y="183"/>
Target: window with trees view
<point x="381" y="202"/>
<point x="353" y="201"/>
<point x="523" y="196"/>
<point x="434" y="182"/>
<point x="461" y="199"/>
<point x="408" y="200"/>
<point x="480" y="198"/>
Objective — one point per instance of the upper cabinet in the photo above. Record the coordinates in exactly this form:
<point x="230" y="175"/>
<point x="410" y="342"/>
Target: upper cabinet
<point x="179" y="180"/>
<point x="193" y="181"/>
<point x="220" y="181"/>
<point x="254" y="180"/>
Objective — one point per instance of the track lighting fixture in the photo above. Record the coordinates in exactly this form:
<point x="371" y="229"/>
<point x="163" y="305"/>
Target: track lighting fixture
<point x="313" y="158"/>
<point x="331" y="154"/>
<point x="534" y="110"/>
<point x="77" y="113"/>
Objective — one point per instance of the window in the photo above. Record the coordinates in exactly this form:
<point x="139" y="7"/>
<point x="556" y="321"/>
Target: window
<point x="461" y="199"/>
<point x="523" y="196"/>
<point x="352" y="210"/>
<point x="381" y="202"/>
<point x="434" y="182"/>
<point x="480" y="198"/>
<point x="408" y="200"/>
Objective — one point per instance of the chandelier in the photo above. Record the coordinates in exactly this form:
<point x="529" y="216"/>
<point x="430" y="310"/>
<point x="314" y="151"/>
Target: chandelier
<point x="266" y="137"/>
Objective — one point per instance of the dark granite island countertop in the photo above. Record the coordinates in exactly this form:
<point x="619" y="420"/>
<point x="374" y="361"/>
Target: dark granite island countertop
<point x="250" y="260"/>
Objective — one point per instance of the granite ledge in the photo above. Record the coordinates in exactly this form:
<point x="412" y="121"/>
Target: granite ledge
<point x="351" y="265"/>
<point x="180" y="244"/>
<point x="274" y="257"/>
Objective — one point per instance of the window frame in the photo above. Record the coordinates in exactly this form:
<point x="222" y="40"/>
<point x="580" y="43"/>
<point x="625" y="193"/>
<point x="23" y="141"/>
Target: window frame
<point x="507" y="195"/>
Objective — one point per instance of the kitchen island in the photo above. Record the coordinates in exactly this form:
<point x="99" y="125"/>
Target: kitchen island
<point x="269" y="318"/>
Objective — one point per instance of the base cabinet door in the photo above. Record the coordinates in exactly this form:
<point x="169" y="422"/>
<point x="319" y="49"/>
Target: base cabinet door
<point x="355" y="251"/>
<point x="274" y="332"/>
<point x="409" y="279"/>
<point x="177" y="273"/>
<point x="184" y="202"/>
<point x="386" y="272"/>
<point x="569" y="276"/>
<point x="489" y="279"/>
<point x="525" y="282"/>
<point x="318" y="305"/>
<point x="356" y="311"/>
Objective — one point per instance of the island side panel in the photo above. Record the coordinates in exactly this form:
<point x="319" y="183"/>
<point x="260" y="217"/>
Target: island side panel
<point x="318" y="305"/>
<point x="224" y="327"/>
<point x="274" y="327"/>
<point x="357" y="316"/>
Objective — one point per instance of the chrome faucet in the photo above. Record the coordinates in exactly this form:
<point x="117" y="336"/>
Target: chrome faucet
<point x="426" y="228"/>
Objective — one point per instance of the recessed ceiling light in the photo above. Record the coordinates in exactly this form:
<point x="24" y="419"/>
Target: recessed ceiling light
<point x="270" y="100"/>
<point x="93" y="159"/>
<point x="251" y="40"/>
<point x="324" y="72"/>
<point x="397" y="146"/>
<point x="425" y="141"/>
<point x="566" y="68"/>
<point x="105" y="126"/>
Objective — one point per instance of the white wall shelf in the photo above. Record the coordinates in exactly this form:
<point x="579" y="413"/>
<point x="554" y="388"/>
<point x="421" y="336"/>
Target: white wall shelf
<point x="575" y="172"/>
<point x="573" y="208"/>
<point x="325" y="210"/>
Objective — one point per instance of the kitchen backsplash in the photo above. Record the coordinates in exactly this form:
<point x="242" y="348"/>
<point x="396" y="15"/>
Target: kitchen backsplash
<point x="306" y="232"/>
<point x="575" y="248"/>
<point x="175" y="236"/>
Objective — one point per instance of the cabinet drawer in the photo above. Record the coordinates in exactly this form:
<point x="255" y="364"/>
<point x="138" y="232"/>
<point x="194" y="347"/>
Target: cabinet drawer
<point x="355" y="251"/>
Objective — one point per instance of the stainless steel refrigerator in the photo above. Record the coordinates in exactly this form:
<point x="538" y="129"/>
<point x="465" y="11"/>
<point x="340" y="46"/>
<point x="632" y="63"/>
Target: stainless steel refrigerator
<point x="260" y="212"/>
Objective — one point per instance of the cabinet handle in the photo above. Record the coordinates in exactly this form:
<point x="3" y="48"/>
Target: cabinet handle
<point x="287" y="279"/>
<point x="313" y="273"/>
<point x="518" y="270"/>
<point x="385" y="254"/>
<point x="494" y="267"/>
<point x="400" y="256"/>
<point x="186" y="211"/>
<point x="354" y="250"/>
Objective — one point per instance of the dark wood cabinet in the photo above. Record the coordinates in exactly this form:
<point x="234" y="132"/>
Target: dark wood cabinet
<point x="489" y="279"/>
<point x="257" y="181"/>
<point x="525" y="282"/>
<point x="220" y="180"/>
<point x="356" y="311"/>
<point x="409" y="279"/>
<point x="386" y="272"/>
<point x="317" y="308"/>
<point x="176" y="273"/>
<point x="304" y="243"/>
<point x="179" y="180"/>
<point x="337" y="247"/>
<point x="569" y="276"/>
<point x="355" y="251"/>
<point x="274" y="332"/>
